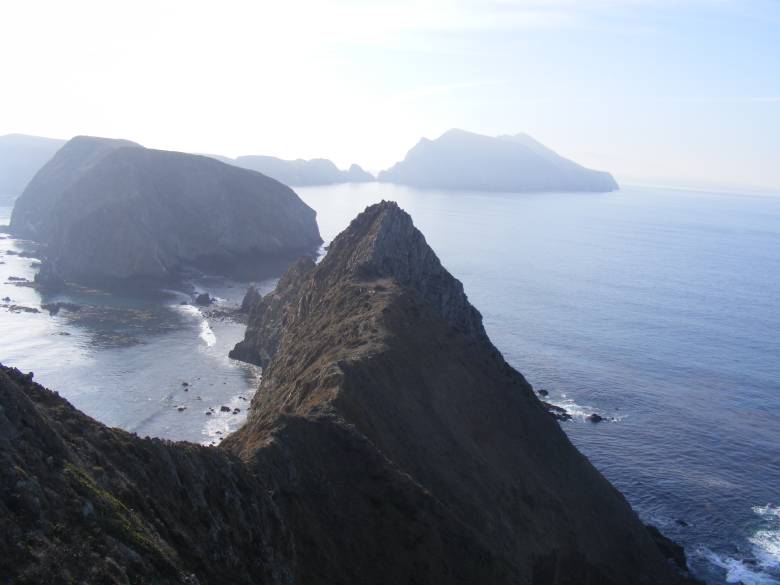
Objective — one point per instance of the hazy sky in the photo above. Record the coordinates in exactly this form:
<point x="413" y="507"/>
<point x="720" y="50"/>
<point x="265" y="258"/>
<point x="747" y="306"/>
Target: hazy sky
<point x="667" y="90"/>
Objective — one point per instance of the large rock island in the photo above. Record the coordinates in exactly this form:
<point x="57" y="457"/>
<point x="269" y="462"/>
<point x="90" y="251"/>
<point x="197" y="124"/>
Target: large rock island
<point x="300" y="172"/>
<point x="389" y="443"/>
<point x="113" y="210"/>
<point x="21" y="156"/>
<point x="460" y="160"/>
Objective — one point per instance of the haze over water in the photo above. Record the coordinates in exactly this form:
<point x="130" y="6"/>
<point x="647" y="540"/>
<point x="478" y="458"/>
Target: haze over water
<point x="656" y="308"/>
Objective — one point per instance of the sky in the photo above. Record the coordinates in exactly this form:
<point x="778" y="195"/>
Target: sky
<point x="683" y="92"/>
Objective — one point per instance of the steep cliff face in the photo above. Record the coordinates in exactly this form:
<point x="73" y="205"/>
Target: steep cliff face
<point x="385" y="412"/>
<point x="114" y="210"/>
<point x="468" y="161"/>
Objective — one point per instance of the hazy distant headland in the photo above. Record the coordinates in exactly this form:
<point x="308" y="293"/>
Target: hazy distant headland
<point x="300" y="172"/>
<point x="21" y="156"/>
<point x="461" y="160"/>
<point x="457" y="160"/>
<point x="111" y="209"/>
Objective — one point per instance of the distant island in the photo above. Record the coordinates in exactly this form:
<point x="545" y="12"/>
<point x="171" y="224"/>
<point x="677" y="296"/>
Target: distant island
<point x="112" y="210"/>
<point x="457" y="160"/>
<point x="21" y="156"/>
<point x="460" y="160"/>
<point x="299" y="172"/>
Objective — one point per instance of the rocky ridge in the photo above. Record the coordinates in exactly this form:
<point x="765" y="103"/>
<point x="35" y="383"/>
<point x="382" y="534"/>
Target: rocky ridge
<point x="388" y="411"/>
<point x="388" y="443"/>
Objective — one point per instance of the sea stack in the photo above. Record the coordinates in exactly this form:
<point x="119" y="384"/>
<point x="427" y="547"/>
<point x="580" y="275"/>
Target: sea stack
<point x="460" y="160"/>
<point x="111" y="210"/>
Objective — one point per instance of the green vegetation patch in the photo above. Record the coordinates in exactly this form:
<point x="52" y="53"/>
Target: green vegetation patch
<point x="117" y="518"/>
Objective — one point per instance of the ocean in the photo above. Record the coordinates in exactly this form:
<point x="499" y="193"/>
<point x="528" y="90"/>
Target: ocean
<point x="658" y="309"/>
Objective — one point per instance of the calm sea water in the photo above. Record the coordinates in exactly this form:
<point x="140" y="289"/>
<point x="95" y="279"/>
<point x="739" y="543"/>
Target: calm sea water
<point x="659" y="309"/>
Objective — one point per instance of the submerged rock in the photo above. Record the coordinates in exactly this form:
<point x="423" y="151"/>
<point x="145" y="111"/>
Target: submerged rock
<point x="19" y="309"/>
<point x="54" y="308"/>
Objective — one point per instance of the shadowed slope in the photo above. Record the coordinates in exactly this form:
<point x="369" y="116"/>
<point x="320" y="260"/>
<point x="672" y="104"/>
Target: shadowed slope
<point x="385" y="410"/>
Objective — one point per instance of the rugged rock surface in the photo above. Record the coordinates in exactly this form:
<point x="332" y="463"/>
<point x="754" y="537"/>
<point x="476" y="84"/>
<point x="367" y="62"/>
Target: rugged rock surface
<point x="389" y="443"/>
<point x="111" y="209"/>
<point x="464" y="160"/>
<point x="300" y="172"/>
<point x="405" y="449"/>
<point x="82" y="503"/>
<point x="268" y="316"/>
<point x="21" y="157"/>
<point x="251" y="298"/>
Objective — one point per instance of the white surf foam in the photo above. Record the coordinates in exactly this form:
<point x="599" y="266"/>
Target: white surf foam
<point x="579" y="411"/>
<point x="221" y="424"/>
<point x="766" y="540"/>
<point x="206" y="332"/>
<point x="763" y="568"/>
<point x="738" y="571"/>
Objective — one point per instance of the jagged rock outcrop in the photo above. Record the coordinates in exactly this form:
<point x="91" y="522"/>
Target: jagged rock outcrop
<point x="460" y="160"/>
<point x="111" y="209"/>
<point x="21" y="156"/>
<point x="356" y="174"/>
<point x="388" y="443"/>
<point x="300" y="172"/>
<point x="268" y="316"/>
<point x="403" y="446"/>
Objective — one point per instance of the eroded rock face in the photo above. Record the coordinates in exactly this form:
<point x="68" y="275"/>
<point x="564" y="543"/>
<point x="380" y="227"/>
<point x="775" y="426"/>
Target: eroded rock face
<point x="113" y="210"/>
<point x="385" y="410"/>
